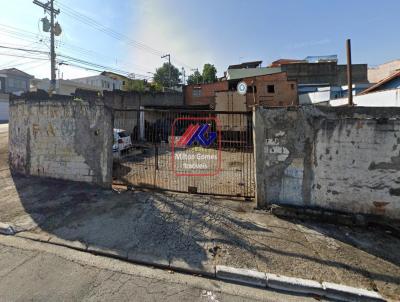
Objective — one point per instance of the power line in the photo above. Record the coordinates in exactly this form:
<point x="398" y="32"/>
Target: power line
<point x="20" y="56"/>
<point x="29" y="36"/>
<point x="26" y="50"/>
<point x="98" y="26"/>
<point x="68" y="58"/>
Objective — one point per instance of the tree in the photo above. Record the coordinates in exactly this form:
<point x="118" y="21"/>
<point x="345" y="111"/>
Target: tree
<point x="162" y="75"/>
<point x="155" y="87"/>
<point x="195" y="78"/>
<point x="136" y="85"/>
<point x="209" y="73"/>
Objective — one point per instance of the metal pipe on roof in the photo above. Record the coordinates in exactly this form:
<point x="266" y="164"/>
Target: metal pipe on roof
<point x="349" y="74"/>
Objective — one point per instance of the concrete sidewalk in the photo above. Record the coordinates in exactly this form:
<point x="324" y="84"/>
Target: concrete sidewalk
<point x="196" y="233"/>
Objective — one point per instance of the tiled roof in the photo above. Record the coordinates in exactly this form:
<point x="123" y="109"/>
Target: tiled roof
<point x="382" y="82"/>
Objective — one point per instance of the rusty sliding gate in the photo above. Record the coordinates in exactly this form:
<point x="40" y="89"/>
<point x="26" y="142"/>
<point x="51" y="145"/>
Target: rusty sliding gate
<point x="158" y="137"/>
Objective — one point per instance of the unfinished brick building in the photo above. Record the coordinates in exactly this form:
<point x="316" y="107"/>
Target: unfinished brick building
<point x="273" y="90"/>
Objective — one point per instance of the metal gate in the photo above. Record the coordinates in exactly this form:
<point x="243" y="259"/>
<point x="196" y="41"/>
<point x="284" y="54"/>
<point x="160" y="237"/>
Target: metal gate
<point x="202" y="151"/>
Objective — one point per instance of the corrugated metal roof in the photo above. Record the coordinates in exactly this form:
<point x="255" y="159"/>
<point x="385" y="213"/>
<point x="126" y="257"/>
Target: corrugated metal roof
<point x="236" y="74"/>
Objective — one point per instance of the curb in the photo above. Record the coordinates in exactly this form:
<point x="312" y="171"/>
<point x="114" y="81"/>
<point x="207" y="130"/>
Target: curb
<point x="296" y="285"/>
<point x="6" y="229"/>
<point x="231" y="274"/>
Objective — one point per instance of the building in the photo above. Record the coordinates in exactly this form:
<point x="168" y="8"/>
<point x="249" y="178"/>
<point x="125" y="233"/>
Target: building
<point x="280" y="62"/>
<point x="317" y="95"/>
<point x="248" y="69"/>
<point x="101" y="82"/>
<point x="388" y="83"/>
<point x="382" y="98"/>
<point x="268" y="90"/>
<point x="320" y="71"/>
<point x="203" y="94"/>
<point x="380" y="72"/>
<point x="63" y="87"/>
<point x="126" y="83"/>
<point x="13" y="80"/>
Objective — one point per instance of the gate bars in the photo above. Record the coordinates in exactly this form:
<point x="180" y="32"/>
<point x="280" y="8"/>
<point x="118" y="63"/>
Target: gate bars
<point x="150" y="163"/>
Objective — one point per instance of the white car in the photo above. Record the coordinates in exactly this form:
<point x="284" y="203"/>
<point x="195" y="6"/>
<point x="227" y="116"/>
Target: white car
<point x="122" y="141"/>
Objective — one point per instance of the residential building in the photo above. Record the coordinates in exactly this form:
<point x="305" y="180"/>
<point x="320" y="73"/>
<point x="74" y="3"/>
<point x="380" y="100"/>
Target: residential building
<point x="380" y="72"/>
<point x="101" y="82"/>
<point x="125" y="81"/>
<point x="203" y="94"/>
<point x="13" y="80"/>
<point x="268" y="90"/>
<point x="63" y="87"/>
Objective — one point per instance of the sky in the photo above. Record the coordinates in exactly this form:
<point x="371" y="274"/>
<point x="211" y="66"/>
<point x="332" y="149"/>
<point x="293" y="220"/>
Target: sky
<point x="220" y="32"/>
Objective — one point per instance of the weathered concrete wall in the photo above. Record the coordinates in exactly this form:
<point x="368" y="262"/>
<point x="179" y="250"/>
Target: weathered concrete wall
<point x="134" y="100"/>
<point x="63" y="139"/>
<point x="344" y="159"/>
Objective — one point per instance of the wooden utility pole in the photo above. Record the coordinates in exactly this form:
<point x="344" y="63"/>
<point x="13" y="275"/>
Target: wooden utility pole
<point x="49" y="7"/>
<point x="349" y="73"/>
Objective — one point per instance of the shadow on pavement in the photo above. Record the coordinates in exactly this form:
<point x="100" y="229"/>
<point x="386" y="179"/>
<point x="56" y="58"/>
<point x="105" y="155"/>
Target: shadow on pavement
<point x="197" y="232"/>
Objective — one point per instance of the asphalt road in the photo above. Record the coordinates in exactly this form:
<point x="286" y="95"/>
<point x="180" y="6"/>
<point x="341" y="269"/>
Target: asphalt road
<point x="34" y="271"/>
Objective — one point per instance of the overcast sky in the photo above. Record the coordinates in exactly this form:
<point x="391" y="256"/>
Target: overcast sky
<point x="221" y="32"/>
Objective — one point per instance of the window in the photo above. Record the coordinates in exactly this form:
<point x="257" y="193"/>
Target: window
<point x="271" y="88"/>
<point x="196" y="92"/>
<point x="123" y="83"/>
<point x="11" y="82"/>
<point x="292" y="86"/>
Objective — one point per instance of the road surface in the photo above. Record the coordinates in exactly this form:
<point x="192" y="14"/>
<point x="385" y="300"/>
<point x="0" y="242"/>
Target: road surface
<point x="35" y="271"/>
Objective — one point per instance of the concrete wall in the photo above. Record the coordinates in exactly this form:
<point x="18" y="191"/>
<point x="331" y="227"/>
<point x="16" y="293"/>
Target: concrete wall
<point x="134" y="100"/>
<point x="343" y="159"/>
<point x="325" y="73"/>
<point x="63" y="139"/>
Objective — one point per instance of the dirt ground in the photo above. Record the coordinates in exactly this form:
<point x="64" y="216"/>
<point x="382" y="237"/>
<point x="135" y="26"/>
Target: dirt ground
<point x="145" y="169"/>
<point x="196" y="232"/>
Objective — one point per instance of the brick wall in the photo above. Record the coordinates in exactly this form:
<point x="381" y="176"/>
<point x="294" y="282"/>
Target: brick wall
<point x="284" y="94"/>
<point x="207" y="93"/>
<point x="63" y="139"/>
<point x="344" y="159"/>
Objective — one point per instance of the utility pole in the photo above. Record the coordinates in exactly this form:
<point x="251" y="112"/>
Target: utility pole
<point x="49" y="7"/>
<point x="184" y="76"/>
<point x="169" y="68"/>
<point x="349" y="73"/>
